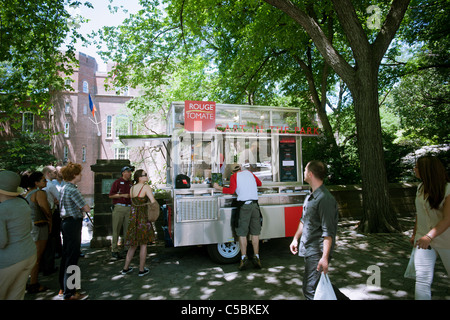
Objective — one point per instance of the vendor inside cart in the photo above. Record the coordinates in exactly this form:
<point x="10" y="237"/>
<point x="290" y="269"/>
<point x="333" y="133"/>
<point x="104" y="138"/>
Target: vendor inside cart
<point x="253" y="154"/>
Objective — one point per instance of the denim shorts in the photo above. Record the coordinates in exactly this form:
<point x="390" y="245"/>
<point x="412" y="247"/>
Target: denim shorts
<point x="249" y="220"/>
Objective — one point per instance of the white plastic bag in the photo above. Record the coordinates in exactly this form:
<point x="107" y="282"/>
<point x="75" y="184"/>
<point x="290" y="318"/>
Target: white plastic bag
<point x="410" y="271"/>
<point x="324" y="290"/>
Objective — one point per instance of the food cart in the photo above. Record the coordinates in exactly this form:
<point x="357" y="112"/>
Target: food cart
<point x="202" y="143"/>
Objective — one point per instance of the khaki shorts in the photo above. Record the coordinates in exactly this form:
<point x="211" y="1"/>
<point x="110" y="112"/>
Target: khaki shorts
<point x="249" y="220"/>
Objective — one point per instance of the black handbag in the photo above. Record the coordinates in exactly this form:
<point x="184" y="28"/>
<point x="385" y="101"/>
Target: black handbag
<point x="182" y="181"/>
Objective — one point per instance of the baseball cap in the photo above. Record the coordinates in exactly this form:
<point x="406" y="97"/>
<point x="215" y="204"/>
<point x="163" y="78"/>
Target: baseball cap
<point x="127" y="168"/>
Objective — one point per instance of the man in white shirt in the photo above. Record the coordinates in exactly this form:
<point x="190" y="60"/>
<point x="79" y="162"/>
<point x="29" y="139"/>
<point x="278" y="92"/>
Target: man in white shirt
<point x="51" y="190"/>
<point x="53" y="246"/>
<point x="245" y="184"/>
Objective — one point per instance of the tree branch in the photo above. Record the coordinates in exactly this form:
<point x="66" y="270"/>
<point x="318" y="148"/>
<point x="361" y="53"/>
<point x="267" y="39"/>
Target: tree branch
<point x="389" y="28"/>
<point x="182" y="27"/>
<point x="323" y="44"/>
<point x="352" y="28"/>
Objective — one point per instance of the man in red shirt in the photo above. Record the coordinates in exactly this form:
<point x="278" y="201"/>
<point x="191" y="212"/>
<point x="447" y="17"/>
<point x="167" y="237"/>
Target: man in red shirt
<point x="120" y="195"/>
<point x="244" y="183"/>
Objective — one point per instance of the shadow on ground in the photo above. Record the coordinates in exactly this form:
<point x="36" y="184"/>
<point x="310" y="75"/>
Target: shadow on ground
<point x="187" y="273"/>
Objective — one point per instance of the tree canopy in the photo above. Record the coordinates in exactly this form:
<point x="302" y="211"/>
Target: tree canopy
<point x="31" y="62"/>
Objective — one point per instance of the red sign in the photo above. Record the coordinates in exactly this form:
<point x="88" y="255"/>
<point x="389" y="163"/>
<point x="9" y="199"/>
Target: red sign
<point x="199" y="116"/>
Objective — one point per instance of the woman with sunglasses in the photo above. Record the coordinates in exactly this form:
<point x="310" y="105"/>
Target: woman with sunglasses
<point x="140" y="231"/>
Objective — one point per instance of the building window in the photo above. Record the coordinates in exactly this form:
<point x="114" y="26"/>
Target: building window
<point x="68" y="82"/>
<point x="85" y="107"/>
<point x="83" y="154"/>
<point x="66" y="129"/>
<point x="66" y="154"/>
<point x="28" y="122"/>
<point x="130" y="128"/>
<point x="120" y="153"/>
<point x="85" y="87"/>
<point x="67" y="107"/>
<point x="108" y="127"/>
<point x="122" y="126"/>
<point x="122" y="91"/>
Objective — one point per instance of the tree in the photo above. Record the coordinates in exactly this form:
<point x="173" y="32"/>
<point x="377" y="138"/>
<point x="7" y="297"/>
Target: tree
<point x="362" y="81"/>
<point x="422" y="102"/>
<point x="31" y="63"/>
<point x="26" y="151"/>
<point x="421" y="99"/>
<point x="247" y="42"/>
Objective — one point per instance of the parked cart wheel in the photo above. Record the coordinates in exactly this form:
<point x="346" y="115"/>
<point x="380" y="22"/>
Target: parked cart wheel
<point x="224" y="253"/>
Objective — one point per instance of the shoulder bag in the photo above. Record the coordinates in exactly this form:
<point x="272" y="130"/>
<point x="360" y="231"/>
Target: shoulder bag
<point x="152" y="209"/>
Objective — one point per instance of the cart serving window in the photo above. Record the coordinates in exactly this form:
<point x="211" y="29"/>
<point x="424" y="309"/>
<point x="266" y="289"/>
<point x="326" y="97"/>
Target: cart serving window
<point x="203" y="142"/>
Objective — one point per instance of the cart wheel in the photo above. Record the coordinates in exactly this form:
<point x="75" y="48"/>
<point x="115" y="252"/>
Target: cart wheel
<point x="223" y="253"/>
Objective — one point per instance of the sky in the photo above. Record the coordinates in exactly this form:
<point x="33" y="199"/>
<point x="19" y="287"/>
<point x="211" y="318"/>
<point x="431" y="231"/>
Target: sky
<point x="100" y="16"/>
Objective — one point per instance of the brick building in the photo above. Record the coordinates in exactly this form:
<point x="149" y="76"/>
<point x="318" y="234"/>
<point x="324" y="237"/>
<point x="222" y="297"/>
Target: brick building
<point x="79" y="139"/>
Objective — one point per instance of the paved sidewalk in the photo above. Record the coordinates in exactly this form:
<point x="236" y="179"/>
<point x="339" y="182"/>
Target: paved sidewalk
<point x="187" y="273"/>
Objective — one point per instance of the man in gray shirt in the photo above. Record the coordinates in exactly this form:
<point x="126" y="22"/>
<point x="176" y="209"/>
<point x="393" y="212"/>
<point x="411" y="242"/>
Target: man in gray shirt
<point x="317" y="229"/>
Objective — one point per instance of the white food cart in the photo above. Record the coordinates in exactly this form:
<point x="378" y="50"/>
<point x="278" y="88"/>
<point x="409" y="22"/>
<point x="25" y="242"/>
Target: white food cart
<point x="204" y="139"/>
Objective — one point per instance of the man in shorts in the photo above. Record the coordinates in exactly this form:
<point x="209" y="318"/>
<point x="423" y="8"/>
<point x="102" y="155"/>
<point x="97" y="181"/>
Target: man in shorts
<point x="244" y="183"/>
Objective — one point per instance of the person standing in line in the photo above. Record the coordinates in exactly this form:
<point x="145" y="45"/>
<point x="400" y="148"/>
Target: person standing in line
<point x="245" y="184"/>
<point x="52" y="192"/>
<point x="42" y="222"/>
<point x="120" y="195"/>
<point x="72" y="206"/>
<point x="431" y="233"/>
<point x="316" y="233"/>
<point x="140" y="231"/>
<point x="48" y="258"/>
<point x="58" y="182"/>
<point x="17" y="248"/>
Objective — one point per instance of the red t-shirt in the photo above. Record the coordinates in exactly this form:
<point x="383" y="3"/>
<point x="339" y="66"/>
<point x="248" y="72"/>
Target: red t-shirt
<point x="121" y="186"/>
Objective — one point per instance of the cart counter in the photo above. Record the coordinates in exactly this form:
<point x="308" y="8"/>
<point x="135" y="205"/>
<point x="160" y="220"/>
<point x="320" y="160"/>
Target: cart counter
<point x="203" y="215"/>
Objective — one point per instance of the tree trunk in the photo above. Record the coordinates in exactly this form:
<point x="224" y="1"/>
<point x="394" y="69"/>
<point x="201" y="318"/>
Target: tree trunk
<point x="378" y="216"/>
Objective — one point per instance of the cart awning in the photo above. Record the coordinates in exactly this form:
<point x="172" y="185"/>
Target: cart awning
<point x="144" y="140"/>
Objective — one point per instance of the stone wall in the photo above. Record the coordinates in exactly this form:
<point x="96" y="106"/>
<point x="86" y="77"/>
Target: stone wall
<point x="350" y="203"/>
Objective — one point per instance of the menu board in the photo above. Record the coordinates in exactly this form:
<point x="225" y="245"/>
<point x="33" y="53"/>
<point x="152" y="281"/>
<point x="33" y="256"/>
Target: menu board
<point x="288" y="159"/>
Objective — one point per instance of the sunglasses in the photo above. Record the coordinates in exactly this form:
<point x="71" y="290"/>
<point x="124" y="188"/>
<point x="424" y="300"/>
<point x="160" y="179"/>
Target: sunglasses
<point x="143" y="175"/>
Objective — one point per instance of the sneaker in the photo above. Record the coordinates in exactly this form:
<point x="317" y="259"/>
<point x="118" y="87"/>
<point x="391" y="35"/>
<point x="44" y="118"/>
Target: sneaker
<point x="126" y="271"/>
<point x="115" y="255"/>
<point x="243" y="264"/>
<point x="256" y="262"/>
<point x="143" y="273"/>
<point x="77" y="296"/>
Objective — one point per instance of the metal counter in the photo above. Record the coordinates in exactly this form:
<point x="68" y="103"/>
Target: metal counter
<point x="211" y="211"/>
